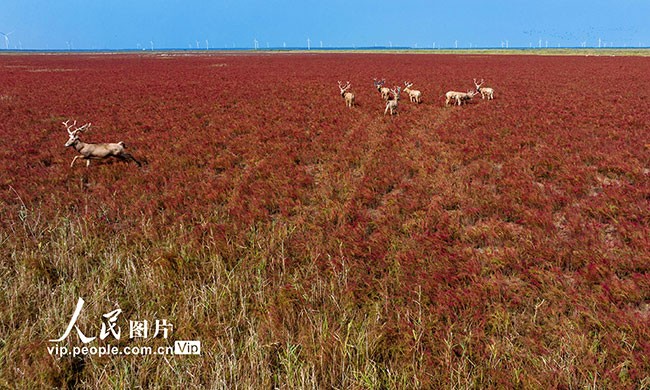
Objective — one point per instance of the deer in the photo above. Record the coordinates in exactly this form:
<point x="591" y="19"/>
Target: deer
<point x="345" y="94"/>
<point x="459" y="97"/>
<point x="391" y="104"/>
<point x="94" y="151"/>
<point x="414" y="95"/>
<point x="384" y="91"/>
<point x="484" y="91"/>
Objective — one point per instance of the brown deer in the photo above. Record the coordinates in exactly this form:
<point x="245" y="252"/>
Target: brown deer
<point x="484" y="91"/>
<point x="391" y="104"/>
<point x="384" y="91"/>
<point x="414" y="95"/>
<point x="348" y="96"/>
<point x="94" y="151"/>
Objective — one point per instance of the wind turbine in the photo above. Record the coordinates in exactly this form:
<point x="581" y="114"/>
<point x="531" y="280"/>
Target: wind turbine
<point x="255" y="44"/>
<point x="6" y="35"/>
<point x="308" y="43"/>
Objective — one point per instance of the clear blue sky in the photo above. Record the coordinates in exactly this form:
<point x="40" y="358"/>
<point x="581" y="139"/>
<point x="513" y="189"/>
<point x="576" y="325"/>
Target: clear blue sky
<point x="120" y="24"/>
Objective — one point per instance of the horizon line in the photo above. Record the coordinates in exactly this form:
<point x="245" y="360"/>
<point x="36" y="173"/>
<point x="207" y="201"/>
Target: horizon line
<point x="334" y="48"/>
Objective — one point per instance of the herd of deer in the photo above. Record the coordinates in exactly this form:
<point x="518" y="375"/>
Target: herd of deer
<point x="392" y="95"/>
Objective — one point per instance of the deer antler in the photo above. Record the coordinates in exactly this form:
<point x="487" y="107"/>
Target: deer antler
<point x="84" y="127"/>
<point x="77" y="129"/>
<point x="67" y="126"/>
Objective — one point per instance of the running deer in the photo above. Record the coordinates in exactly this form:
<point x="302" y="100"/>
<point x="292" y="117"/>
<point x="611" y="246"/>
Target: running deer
<point x="348" y="96"/>
<point x="459" y="97"/>
<point x="391" y="104"/>
<point x="484" y="91"/>
<point x="384" y="91"/>
<point x="414" y="95"/>
<point x="94" y="151"/>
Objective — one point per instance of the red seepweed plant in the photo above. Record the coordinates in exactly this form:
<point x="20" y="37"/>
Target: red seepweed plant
<point x="500" y="244"/>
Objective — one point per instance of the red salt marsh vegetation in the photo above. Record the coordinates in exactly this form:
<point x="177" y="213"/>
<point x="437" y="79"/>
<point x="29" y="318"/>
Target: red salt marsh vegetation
<point x="497" y="244"/>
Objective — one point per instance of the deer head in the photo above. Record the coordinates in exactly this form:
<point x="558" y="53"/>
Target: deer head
<point x="73" y="134"/>
<point x="344" y="88"/>
<point x="396" y="91"/>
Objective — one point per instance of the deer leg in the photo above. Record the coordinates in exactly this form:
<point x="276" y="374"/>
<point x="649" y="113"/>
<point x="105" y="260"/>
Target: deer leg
<point x="73" y="160"/>
<point x="128" y="157"/>
<point x="135" y="161"/>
